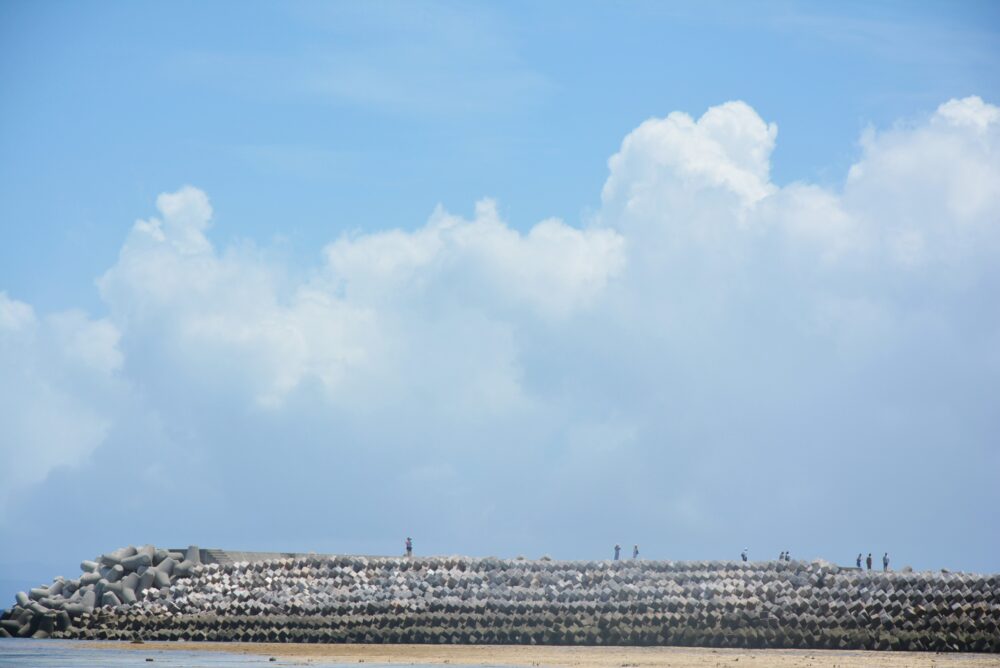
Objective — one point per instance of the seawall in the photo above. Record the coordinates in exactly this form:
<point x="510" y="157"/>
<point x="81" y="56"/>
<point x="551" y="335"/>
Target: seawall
<point x="213" y="595"/>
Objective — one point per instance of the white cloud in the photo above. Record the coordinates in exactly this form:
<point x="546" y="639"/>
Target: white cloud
<point x="358" y="322"/>
<point x="57" y="386"/>
<point x="201" y="313"/>
<point x="970" y="111"/>
<point x="552" y="270"/>
<point x="186" y="215"/>
<point x="921" y="192"/>
<point x="694" y="176"/>
<point x="709" y="313"/>
<point x="14" y="315"/>
<point x="811" y="223"/>
<point x="930" y="191"/>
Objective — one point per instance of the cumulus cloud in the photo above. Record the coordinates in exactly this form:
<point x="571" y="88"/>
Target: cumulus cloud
<point x="699" y="177"/>
<point x="696" y="200"/>
<point x="927" y="192"/>
<point x="58" y="377"/>
<point x="202" y="316"/>
<point x="703" y="333"/>
<point x="703" y="179"/>
<point x="552" y="271"/>
<point x="375" y="306"/>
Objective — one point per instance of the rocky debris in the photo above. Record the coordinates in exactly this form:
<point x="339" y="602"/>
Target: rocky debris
<point x="158" y="595"/>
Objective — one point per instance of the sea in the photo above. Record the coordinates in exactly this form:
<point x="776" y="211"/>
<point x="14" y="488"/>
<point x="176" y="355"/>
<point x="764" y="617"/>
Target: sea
<point x="27" y="653"/>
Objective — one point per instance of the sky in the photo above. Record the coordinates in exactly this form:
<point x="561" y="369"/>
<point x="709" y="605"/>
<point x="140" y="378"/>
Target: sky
<point x="508" y="278"/>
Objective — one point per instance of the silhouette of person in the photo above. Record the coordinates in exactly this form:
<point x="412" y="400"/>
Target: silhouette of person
<point x="885" y="561"/>
<point x="859" y="560"/>
<point x="409" y="546"/>
<point x="618" y="551"/>
<point x="868" y="561"/>
<point x="743" y="554"/>
<point x="635" y="551"/>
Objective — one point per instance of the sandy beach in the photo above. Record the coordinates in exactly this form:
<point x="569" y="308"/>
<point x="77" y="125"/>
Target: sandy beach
<point x="578" y="657"/>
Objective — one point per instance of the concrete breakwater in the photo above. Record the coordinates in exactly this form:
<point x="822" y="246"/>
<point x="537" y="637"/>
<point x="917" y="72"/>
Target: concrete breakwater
<point x="157" y="594"/>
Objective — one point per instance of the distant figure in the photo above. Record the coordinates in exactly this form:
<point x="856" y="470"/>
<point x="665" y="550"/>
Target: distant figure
<point x="743" y="554"/>
<point x="409" y="546"/>
<point x="635" y="551"/>
<point x="885" y="562"/>
<point x="788" y="555"/>
<point x="859" y="560"/>
<point x="869" y="561"/>
<point x="618" y="551"/>
<point x="781" y="557"/>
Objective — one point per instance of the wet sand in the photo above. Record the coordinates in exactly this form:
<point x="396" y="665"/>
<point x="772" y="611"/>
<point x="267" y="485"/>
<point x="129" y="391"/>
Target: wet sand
<point x="578" y="657"/>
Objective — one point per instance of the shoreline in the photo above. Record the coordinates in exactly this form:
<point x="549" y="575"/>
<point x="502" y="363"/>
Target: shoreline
<point x="557" y="656"/>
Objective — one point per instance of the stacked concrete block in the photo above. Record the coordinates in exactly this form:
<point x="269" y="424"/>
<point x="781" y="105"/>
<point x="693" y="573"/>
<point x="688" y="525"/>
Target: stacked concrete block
<point x="158" y="595"/>
<point x="112" y="581"/>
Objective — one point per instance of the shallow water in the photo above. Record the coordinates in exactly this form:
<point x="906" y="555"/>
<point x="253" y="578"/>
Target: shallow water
<point x="23" y="653"/>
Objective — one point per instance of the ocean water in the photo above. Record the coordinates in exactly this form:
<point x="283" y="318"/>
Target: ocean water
<point x="26" y="653"/>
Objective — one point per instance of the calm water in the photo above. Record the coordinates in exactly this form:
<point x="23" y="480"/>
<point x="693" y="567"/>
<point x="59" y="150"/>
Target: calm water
<point x="22" y="653"/>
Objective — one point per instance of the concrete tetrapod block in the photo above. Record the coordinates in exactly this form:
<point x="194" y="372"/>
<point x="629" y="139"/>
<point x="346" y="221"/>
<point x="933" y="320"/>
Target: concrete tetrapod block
<point x="146" y="580"/>
<point x="116" y="557"/>
<point x="136" y="561"/>
<point x="167" y="565"/>
<point x="47" y="623"/>
<point x="183" y="569"/>
<point x="160" y="578"/>
<point x="12" y="626"/>
<point x="76" y="609"/>
<point x="38" y="593"/>
<point x="88" y="579"/>
<point x="193" y="554"/>
<point x="109" y="598"/>
<point x="28" y="627"/>
<point x="130" y="581"/>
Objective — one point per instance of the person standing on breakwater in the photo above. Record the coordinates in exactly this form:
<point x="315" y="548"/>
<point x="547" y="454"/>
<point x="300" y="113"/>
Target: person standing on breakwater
<point x="618" y="551"/>
<point x="869" y="561"/>
<point x="743" y="554"/>
<point x="635" y="551"/>
<point x="788" y="555"/>
<point x="859" y="560"/>
<point x="409" y="546"/>
<point x="885" y="562"/>
<point x="781" y="557"/>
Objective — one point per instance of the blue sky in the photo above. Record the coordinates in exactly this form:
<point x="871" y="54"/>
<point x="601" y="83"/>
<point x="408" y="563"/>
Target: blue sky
<point x="349" y="312"/>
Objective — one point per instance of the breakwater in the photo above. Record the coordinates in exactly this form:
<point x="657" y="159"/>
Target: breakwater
<point x="159" y="594"/>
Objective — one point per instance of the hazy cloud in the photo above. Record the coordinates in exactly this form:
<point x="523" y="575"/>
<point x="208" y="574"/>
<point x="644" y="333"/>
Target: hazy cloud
<point x="58" y="383"/>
